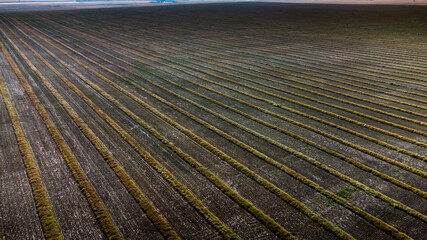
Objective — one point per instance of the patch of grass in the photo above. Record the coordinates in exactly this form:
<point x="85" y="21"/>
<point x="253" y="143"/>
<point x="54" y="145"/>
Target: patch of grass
<point x="347" y="192"/>
<point x="33" y="75"/>
<point x="76" y="41"/>
<point x="126" y="82"/>
<point x="416" y="149"/>
<point x="329" y="201"/>
<point x="143" y="70"/>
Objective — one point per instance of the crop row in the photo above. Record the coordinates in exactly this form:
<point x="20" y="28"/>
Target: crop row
<point x="355" y="132"/>
<point x="320" y="94"/>
<point x="336" y="45"/>
<point x="242" y="168"/>
<point x="307" y="57"/>
<point x="103" y="217"/>
<point x="414" y="67"/>
<point x="136" y="119"/>
<point x="229" y="108"/>
<point x="308" y="106"/>
<point x="356" y="56"/>
<point x="317" y="86"/>
<point x="354" y="69"/>
<point x="197" y="204"/>
<point x="44" y="209"/>
<point x="292" y="67"/>
<point x="296" y="48"/>
<point x="106" y="225"/>
<point x="368" y="52"/>
<point x="419" y="132"/>
<point x="233" y="162"/>
<point x="199" y="89"/>
<point x="371" y="152"/>
<point x="133" y="98"/>
<point x="136" y="18"/>
<point x="205" y="50"/>
<point x="303" y="89"/>
<point x="391" y="53"/>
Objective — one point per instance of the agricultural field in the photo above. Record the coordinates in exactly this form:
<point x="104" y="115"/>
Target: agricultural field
<point x="214" y="121"/>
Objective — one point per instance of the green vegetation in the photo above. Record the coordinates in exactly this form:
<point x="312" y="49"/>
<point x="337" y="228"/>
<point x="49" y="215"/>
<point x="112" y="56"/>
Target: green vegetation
<point x="76" y="41"/>
<point x="347" y="192"/>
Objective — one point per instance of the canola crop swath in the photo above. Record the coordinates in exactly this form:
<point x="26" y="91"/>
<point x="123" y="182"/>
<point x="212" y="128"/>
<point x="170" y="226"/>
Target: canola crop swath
<point x="208" y="134"/>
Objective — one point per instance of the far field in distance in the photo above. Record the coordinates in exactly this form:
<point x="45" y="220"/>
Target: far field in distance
<point x="214" y="121"/>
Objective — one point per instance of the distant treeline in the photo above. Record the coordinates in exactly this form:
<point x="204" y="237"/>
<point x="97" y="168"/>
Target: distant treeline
<point x="114" y="0"/>
<point x="106" y="0"/>
<point x="153" y="1"/>
<point x="29" y="1"/>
